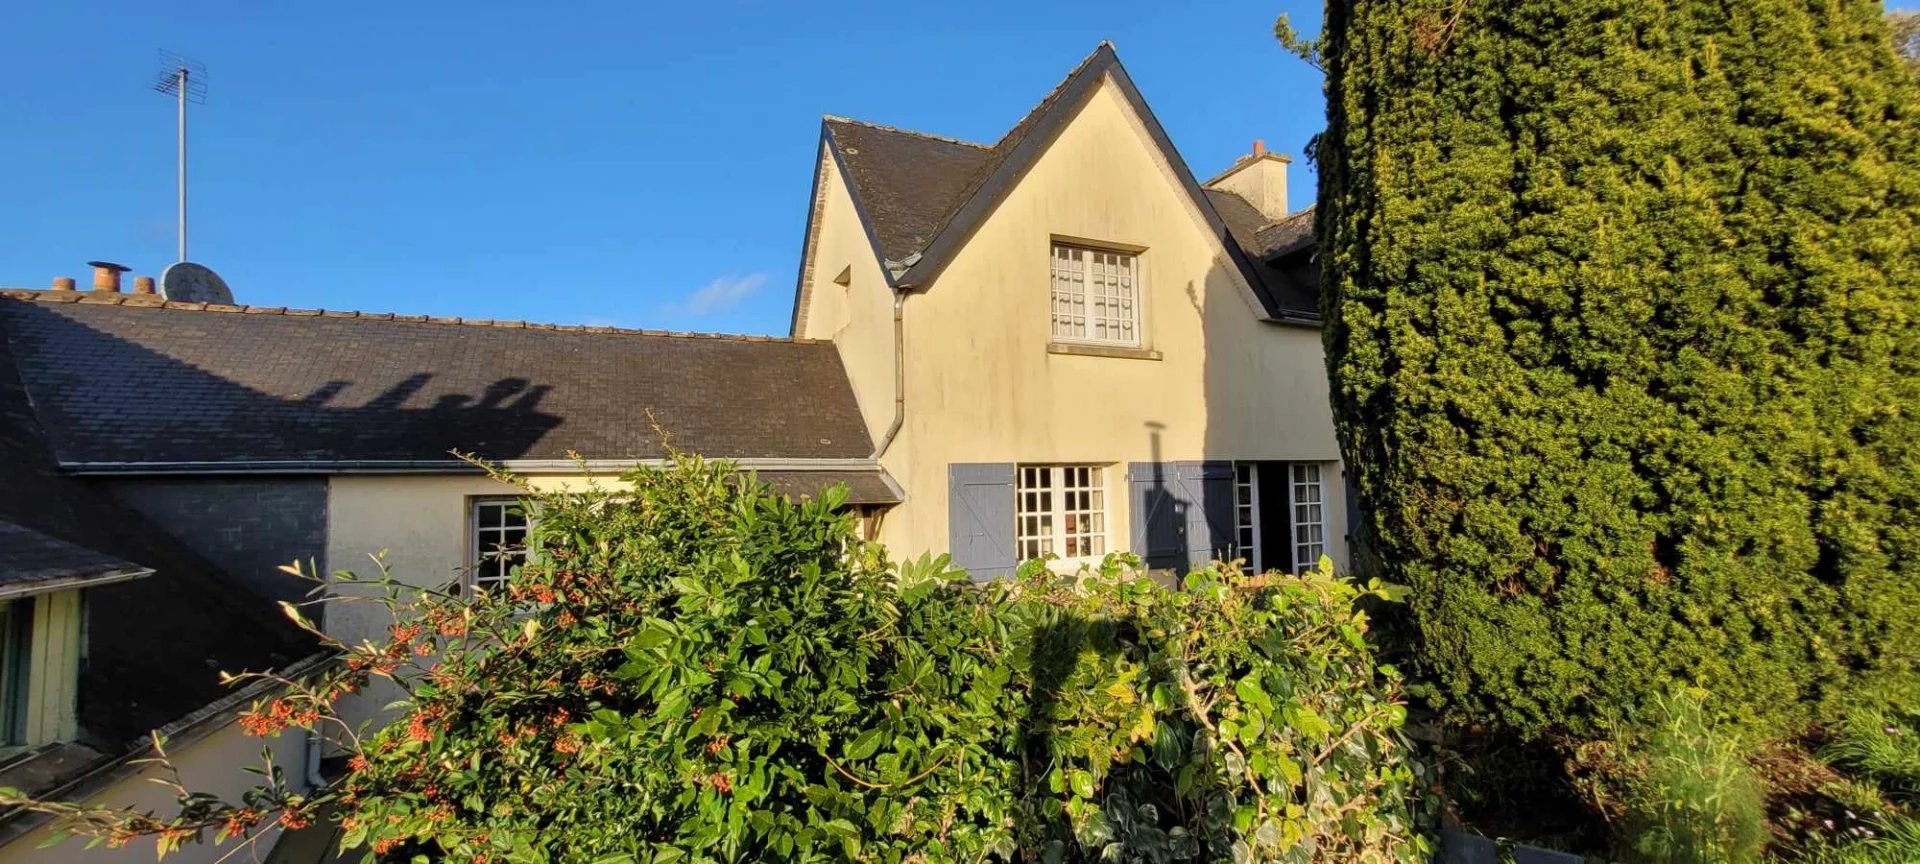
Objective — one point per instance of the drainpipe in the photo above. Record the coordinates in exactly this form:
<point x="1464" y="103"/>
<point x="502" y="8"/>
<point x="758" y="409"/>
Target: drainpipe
<point x="314" y="745"/>
<point x="899" y="374"/>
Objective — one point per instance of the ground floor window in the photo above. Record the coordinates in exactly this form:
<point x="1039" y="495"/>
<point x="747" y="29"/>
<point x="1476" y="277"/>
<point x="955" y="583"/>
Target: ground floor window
<point x="1279" y="516"/>
<point x="498" y="541"/>
<point x="1060" y="510"/>
<point x="1309" y="516"/>
<point x="1246" y="514"/>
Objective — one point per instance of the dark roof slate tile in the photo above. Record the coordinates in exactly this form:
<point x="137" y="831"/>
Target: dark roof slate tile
<point x="142" y="382"/>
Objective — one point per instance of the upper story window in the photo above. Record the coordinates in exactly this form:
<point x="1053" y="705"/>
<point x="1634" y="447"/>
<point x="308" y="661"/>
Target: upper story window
<point x="1096" y="296"/>
<point x="498" y="538"/>
<point x="1060" y="510"/>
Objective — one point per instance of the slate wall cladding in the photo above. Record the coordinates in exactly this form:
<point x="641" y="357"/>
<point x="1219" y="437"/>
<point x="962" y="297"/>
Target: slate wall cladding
<point x="247" y="527"/>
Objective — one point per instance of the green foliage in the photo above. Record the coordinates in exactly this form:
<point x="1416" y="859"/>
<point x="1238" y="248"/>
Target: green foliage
<point x="695" y="669"/>
<point x="1686" y="791"/>
<point x="1623" y="304"/>
<point x="1881" y="744"/>
<point x="1896" y="842"/>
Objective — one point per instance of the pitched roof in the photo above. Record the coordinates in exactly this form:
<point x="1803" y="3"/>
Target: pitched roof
<point x="905" y="182"/>
<point x="156" y="645"/>
<point x="921" y="196"/>
<point x="32" y="562"/>
<point x="128" y="380"/>
<point x="1291" y="279"/>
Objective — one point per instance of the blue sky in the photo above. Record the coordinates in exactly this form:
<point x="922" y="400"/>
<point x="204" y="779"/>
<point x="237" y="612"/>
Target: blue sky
<point x="638" y="164"/>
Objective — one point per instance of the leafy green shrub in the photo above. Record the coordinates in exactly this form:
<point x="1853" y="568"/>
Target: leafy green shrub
<point x="1881" y="744"/>
<point x="1685" y="791"/>
<point x="1252" y="704"/>
<point x="698" y="670"/>
<point x="1896" y="842"/>
<point x="1623" y="304"/>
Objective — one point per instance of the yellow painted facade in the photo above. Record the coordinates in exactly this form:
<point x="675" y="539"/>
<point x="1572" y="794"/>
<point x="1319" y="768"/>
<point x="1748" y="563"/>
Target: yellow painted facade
<point x="982" y="384"/>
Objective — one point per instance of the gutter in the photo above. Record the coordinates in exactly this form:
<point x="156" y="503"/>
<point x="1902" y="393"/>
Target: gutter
<point x="447" y="466"/>
<point x="48" y="586"/>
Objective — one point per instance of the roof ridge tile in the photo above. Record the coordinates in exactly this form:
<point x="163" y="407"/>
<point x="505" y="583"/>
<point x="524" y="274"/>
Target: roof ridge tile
<point x="835" y="118"/>
<point x="32" y="295"/>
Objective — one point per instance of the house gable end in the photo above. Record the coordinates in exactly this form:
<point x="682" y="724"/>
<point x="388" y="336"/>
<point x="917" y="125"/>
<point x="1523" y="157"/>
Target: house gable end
<point x="1034" y="136"/>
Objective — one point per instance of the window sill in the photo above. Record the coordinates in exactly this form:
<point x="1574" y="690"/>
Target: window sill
<point x="1115" y="351"/>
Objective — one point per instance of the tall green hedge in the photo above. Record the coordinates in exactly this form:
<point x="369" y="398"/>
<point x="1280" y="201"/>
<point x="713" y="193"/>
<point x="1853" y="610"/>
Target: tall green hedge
<point x="1624" y="339"/>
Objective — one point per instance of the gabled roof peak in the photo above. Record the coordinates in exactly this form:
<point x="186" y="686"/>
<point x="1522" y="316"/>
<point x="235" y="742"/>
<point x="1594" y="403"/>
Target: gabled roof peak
<point x="835" y="118"/>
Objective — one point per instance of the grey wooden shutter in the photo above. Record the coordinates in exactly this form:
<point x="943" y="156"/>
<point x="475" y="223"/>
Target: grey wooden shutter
<point x="1208" y="488"/>
<point x="1159" y="514"/>
<point x="980" y="518"/>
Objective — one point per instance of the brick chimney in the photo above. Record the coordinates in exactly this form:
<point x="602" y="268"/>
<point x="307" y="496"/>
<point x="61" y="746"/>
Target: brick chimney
<point x="143" y="284"/>
<point x="106" y="276"/>
<point x="63" y="283"/>
<point x="1261" y="178"/>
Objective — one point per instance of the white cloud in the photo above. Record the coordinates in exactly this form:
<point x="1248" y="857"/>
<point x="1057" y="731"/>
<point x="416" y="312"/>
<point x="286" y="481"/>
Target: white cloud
<point x="720" y="295"/>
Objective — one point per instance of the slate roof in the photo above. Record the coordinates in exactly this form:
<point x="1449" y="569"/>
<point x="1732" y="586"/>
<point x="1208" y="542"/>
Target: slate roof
<point x="1280" y="250"/>
<point x="31" y="562"/>
<point x="907" y="181"/>
<point x="920" y="194"/>
<point x="133" y="380"/>
<point x="156" y="645"/>
<point x="863" y="487"/>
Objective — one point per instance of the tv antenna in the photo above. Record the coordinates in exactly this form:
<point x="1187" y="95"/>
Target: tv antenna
<point x="184" y="79"/>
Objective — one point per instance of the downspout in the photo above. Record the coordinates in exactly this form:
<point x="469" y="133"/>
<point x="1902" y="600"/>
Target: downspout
<point x="315" y="780"/>
<point x="899" y="374"/>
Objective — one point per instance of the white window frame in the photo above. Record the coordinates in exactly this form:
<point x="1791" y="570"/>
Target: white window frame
<point x="1075" y="303"/>
<point x="1048" y="498"/>
<point x="482" y="554"/>
<point x="1246" y="514"/>
<point x="1307" y="512"/>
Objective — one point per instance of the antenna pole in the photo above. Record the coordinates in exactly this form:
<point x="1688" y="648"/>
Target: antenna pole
<point x="183" y="161"/>
<point x="186" y="81"/>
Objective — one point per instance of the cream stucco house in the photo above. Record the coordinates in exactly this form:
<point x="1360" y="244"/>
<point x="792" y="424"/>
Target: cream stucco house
<point x="1058" y="344"/>
<point x="1063" y="344"/>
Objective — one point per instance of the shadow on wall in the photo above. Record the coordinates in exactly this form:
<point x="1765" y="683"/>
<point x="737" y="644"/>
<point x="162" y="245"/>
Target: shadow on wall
<point x="1256" y="407"/>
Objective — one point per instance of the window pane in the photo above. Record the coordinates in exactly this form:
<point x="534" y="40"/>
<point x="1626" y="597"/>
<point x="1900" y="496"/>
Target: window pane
<point x="1094" y="295"/>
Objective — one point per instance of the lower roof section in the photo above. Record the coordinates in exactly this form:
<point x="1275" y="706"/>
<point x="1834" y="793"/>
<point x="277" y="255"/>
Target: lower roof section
<point x="126" y="380"/>
<point x="35" y="563"/>
<point x="868" y="488"/>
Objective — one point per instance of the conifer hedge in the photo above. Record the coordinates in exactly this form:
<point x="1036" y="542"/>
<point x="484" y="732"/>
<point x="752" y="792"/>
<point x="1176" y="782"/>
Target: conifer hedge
<point x="1622" y="330"/>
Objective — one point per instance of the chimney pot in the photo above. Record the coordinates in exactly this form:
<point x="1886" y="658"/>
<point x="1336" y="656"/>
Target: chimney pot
<point x="1259" y="147"/>
<point x="106" y="276"/>
<point x="143" y="284"/>
<point x="63" y="283"/>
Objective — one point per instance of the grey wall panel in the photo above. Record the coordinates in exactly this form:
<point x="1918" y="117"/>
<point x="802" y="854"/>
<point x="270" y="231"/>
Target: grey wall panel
<point x="249" y="527"/>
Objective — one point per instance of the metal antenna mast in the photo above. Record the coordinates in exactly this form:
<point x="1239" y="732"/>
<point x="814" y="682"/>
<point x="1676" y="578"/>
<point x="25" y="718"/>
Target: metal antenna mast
<point x="186" y="81"/>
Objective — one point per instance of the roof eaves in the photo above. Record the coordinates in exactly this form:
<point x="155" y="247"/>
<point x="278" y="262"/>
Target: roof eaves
<point x="63" y="583"/>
